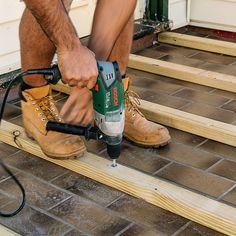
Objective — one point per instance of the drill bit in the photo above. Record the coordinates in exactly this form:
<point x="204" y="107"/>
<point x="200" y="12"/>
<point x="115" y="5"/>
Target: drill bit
<point x="114" y="164"/>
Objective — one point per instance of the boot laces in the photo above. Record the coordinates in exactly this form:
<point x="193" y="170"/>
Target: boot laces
<point x="47" y="108"/>
<point x="132" y="101"/>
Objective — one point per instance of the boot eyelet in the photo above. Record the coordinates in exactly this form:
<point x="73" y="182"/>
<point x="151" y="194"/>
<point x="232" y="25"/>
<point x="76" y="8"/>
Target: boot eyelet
<point x="43" y="119"/>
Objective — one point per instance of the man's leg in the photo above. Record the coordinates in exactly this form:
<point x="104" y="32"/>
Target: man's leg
<point x="111" y="39"/>
<point x="37" y="51"/>
<point x="110" y="20"/>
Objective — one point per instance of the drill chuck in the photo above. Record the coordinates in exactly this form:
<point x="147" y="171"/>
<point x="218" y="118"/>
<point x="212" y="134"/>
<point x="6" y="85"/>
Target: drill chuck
<point x="113" y="150"/>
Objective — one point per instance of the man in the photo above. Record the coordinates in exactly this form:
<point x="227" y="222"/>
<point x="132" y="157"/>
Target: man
<point x="46" y="27"/>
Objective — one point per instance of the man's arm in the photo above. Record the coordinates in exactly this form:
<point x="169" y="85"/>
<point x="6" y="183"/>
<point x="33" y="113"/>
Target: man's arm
<point x="77" y="63"/>
<point x="54" y="20"/>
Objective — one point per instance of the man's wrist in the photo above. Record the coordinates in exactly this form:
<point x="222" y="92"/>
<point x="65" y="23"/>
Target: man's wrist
<point x="74" y="44"/>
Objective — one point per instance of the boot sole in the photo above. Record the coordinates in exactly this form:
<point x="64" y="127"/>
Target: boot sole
<point x="147" y="145"/>
<point x="71" y="156"/>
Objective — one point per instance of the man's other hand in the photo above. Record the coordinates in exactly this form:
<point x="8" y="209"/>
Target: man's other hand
<point x="78" y="108"/>
<point x="78" y="66"/>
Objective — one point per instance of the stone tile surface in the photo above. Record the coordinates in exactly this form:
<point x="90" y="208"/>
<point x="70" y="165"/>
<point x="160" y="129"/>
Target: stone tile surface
<point x="163" y="99"/>
<point x="4" y="175"/>
<point x="87" y="188"/>
<point x="175" y="50"/>
<point x="17" y="120"/>
<point x="6" y="150"/>
<point x="195" y="229"/>
<point x="217" y="67"/>
<point x="155" y="84"/>
<point x="225" y="168"/>
<point x="196" y="179"/>
<point x="199" y="97"/>
<point x="231" y="106"/>
<point x="38" y="194"/>
<point x="89" y="217"/>
<point x="85" y="213"/>
<point x="145" y="214"/>
<point x="224" y="116"/>
<point x="34" y="165"/>
<point x="144" y="159"/>
<point x="32" y="222"/>
<point x="210" y="112"/>
<point x="5" y="200"/>
<point x="182" y="60"/>
<point x="213" y="58"/>
<point x="230" y="197"/>
<point x="188" y="156"/>
<point x="224" y="93"/>
<point x="139" y="231"/>
<point x="75" y="232"/>
<point x="11" y="111"/>
<point x="151" y="52"/>
<point x="224" y="150"/>
<point x="140" y="75"/>
<point x="185" y="138"/>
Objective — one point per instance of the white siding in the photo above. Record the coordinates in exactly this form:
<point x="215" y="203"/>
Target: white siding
<point x="10" y="14"/>
<point x="178" y="13"/>
<point x="216" y="14"/>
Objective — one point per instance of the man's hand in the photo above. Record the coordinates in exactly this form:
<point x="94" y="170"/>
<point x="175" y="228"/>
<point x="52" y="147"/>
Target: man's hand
<point x="78" y="66"/>
<point x="78" y="108"/>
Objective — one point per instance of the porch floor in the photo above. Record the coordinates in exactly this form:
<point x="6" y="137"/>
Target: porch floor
<point x="61" y="202"/>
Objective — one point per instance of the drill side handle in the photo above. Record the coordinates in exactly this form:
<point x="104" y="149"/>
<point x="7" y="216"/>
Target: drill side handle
<point x="65" y="128"/>
<point x="88" y="132"/>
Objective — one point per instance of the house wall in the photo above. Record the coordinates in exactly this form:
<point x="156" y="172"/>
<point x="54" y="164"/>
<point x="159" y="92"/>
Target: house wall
<point x="10" y="14"/>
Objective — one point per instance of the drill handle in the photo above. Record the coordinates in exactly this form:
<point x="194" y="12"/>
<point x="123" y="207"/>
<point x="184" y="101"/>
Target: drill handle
<point x="55" y="75"/>
<point x="52" y="74"/>
<point x="88" y="132"/>
<point x="66" y="128"/>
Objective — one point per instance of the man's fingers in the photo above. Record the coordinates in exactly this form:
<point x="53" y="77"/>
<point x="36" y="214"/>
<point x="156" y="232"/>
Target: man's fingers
<point x="91" y="83"/>
<point x="67" y="107"/>
<point x="72" y="82"/>
<point x="87" y="119"/>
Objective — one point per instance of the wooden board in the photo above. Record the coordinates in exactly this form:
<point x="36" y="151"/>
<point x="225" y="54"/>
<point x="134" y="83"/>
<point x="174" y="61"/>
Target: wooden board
<point x="202" y="126"/>
<point x="206" y="44"/>
<point x="186" y="73"/>
<point x="4" y="231"/>
<point x="193" y="206"/>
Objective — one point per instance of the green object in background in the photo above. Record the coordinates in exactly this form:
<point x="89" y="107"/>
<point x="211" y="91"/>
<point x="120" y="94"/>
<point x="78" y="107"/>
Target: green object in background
<point x="157" y="10"/>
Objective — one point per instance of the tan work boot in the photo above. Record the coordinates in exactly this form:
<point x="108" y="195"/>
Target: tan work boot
<point x="137" y="128"/>
<point x="37" y="109"/>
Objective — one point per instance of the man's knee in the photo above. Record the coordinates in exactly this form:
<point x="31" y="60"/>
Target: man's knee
<point x="67" y="4"/>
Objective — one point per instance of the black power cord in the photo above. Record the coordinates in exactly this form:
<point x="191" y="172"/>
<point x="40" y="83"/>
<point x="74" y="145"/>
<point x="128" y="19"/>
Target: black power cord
<point x="13" y="81"/>
<point x="22" y="191"/>
<point x="54" y="76"/>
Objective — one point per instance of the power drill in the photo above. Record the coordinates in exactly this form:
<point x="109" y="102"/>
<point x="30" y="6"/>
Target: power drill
<point x="108" y="104"/>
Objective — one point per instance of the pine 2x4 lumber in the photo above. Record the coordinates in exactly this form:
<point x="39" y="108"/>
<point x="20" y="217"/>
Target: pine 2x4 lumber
<point x="185" y="73"/>
<point x="4" y="231"/>
<point x="205" y="44"/>
<point x="193" y="206"/>
<point x="202" y="126"/>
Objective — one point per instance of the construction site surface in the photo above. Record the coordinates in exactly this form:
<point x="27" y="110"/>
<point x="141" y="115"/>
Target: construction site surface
<point x="187" y="81"/>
